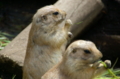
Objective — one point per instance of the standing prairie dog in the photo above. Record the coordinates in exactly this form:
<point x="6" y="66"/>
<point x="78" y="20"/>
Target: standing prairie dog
<point x="80" y="61"/>
<point x="47" y="41"/>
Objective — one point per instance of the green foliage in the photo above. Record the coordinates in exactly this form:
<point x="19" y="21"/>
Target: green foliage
<point x="79" y="22"/>
<point x="110" y="74"/>
<point x="12" y="77"/>
<point x="4" y="40"/>
<point x="107" y="75"/>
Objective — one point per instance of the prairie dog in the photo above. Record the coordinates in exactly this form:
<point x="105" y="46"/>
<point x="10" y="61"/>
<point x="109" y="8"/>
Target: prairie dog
<point x="47" y="41"/>
<point x="80" y="61"/>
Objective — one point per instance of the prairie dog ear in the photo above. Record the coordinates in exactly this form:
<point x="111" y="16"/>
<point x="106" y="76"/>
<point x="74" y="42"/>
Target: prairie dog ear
<point x="41" y="19"/>
<point x="44" y="17"/>
<point x="38" y="20"/>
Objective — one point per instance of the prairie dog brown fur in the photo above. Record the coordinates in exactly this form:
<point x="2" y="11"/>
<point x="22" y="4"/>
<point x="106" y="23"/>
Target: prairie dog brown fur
<point x="80" y="61"/>
<point x="47" y="41"/>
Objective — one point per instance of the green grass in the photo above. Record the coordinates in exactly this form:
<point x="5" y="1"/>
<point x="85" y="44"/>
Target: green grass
<point x="110" y="73"/>
<point x="4" y="39"/>
<point x="12" y="77"/>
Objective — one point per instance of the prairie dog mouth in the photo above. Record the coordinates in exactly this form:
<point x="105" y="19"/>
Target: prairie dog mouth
<point x="96" y="61"/>
<point x="62" y="23"/>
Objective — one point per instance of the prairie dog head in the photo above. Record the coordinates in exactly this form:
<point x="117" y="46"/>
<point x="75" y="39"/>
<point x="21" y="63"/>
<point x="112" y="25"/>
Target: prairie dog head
<point x="82" y="53"/>
<point x="50" y="26"/>
<point x="48" y="16"/>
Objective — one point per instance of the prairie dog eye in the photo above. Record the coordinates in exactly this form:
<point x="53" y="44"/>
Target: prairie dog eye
<point x="55" y="13"/>
<point x="87" y="51"/>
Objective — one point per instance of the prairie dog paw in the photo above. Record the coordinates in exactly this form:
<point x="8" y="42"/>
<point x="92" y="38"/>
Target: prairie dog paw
<point x="108" y="63"/>
<point x="69" y="22"/>
<point x="70" y="35"/>
<point x="97" y="64"/>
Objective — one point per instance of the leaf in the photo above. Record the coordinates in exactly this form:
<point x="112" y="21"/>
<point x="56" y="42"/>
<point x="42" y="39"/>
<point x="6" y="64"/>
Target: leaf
<point x="79" y="22"/>
<point x="1" y="48"/>
<point x="1" y="38"/>
<point x="14" y="77"/>
<point x="5" y="34"/>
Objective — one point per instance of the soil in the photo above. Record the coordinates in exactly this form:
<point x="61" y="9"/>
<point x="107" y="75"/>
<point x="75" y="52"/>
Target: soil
<point x="15" y="15"/>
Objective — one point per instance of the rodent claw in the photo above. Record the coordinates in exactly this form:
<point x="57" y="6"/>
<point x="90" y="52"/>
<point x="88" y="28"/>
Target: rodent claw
<point x="108" y="63"/>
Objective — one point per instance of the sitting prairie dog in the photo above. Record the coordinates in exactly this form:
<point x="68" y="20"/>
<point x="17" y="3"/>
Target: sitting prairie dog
<point x="80" y="61"/>
<point x="48" y="37"/>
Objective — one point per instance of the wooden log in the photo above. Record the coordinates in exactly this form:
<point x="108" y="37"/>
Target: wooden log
<point x="84" y="11"/>
<point x="81" y="12"/>
<point x="12" y="56"/>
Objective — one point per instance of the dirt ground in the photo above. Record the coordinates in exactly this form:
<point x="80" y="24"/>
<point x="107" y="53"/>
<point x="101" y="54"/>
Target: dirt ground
<point x="16" y="15"/>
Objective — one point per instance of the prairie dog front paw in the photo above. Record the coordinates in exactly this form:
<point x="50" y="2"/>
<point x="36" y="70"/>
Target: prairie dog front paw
<point x="70" y="35"/>
<point x="100" y="64"/>
<point x="68" y="22"/>
<point x="97" y="64"/>
<point x="108" y="63"/>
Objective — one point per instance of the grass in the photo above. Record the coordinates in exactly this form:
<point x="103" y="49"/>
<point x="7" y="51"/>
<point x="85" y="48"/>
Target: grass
<point x="4" y="39"/>
<point x="12" y="77"/>
<point x="110" y="73"/>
